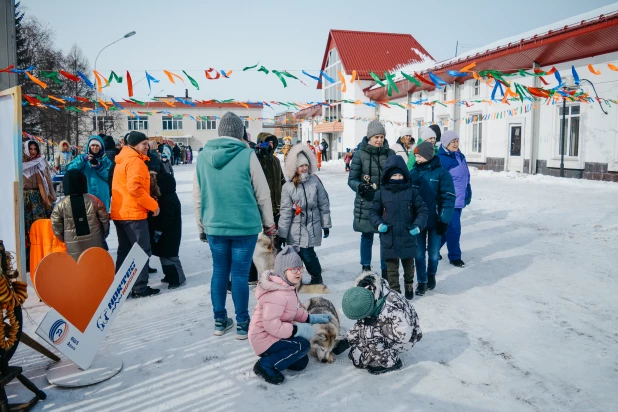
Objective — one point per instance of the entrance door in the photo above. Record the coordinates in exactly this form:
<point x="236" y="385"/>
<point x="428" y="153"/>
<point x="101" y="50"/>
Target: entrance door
<point x="515" y="131"/>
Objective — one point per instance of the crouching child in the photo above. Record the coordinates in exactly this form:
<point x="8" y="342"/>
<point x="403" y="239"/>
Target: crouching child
<point x="280" y="328"/>
<point x="386" y="324"/>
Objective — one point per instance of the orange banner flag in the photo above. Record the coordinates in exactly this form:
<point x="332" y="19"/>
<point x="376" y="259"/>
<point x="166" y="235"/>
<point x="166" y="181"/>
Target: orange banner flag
<point x="593" y="70"/>
<point x="468" y="67"/>
<point x="171" y="76"/>
<point x="37" y="81"/>
<point x="612" y="67"/>
<point x="103" y="104"/>
<point x="99" y="76"/>
<point x="57" y="99"/>
<point x="354" y="77"/>
<point x="344" y="86"/>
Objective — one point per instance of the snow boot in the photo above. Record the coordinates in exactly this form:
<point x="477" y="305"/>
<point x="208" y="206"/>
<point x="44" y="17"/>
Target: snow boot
<point x="421" y="289"/>
<point x="378" y="370"/>
<point x="146" y="294"/>
<point x="242" y="330"/>
<point x="431" y="282"/>
<point x="177" y="285"/>
<point x="152" y="270"/>
<point x="222" y="325"/>
<point x="410" y="290"/>
<point x="316" y="280"/>
<point x="275" y="379"/>
<point x="366" y="268"/>
<point x="459" y="263"/>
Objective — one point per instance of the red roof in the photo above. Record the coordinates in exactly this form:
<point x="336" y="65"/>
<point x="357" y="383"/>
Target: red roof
<point x="369" y="51"/>
<point x="581" y="40"/>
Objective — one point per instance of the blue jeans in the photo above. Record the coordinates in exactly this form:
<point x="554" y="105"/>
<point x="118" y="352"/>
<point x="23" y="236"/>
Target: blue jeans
<point x="428" y="241"/>
<point x="231" y="254"/>
<point x="286" y="353"/>
<point x="452" y="236"/>
<point x="365" y="250"/>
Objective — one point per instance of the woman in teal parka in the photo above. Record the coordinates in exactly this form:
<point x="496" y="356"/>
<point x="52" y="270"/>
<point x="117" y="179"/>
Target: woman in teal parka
<point x="95" y="165"/>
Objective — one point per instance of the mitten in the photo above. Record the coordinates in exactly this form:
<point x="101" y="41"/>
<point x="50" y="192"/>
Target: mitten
<point x="270" y="230"/>
<point x="326" y="233"/>
<point x="304" y="330"/>
<point x="441" y="228"/>
<point x="364" y="188"/>
<point x="203" y="237"/>
<point x="319" y="318"/>
<point x="415" y="230"/>
<point x="383" y="228"/>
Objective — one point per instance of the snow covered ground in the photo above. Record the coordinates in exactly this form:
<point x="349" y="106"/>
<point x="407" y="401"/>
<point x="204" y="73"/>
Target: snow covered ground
<point x="531" y="323"/>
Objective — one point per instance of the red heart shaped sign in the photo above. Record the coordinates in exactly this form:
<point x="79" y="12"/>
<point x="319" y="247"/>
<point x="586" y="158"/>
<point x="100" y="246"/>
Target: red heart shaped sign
<point x="75" y="289"/>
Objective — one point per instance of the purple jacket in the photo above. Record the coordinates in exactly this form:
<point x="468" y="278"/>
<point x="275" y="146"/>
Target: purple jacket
<point x="455" y="163"/>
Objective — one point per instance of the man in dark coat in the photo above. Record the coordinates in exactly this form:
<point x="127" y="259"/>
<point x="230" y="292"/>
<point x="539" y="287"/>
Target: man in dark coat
<point x="176" y="153"/>
<point x="166" y="232"/>
<point x="110" y="152"/>
<point x="365" y="178"/>
<point x="324" y="150"/>
<point x="436" y="187"/>
<point x="399" y="214"/>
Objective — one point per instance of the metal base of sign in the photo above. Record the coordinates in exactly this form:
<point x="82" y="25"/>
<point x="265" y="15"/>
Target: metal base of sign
<point x="66" y="374"/>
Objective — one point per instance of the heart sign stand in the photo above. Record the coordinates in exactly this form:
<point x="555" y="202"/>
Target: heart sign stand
<point x="84" y="298"/>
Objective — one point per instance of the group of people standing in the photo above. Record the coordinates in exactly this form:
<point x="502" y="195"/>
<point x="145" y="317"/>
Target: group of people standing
<point x="413" y="197"/>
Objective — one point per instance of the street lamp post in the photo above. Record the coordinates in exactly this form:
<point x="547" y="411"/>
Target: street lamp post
<point x="96" y="90"/>
<point x="562" y="139"/>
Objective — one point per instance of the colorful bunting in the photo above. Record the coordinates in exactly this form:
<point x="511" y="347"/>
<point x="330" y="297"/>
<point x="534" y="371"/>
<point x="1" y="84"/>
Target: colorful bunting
<point x="192" y="80"/>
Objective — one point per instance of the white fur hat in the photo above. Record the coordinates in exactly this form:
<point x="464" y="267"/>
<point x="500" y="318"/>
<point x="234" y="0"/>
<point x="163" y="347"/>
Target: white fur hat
<point x="405" y="131"/>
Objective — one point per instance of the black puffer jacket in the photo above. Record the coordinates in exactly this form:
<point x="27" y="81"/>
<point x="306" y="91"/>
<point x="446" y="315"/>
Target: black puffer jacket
<point x="369" y="161"/>
<point x="400" y="206"/>
<point x="168" y="222"/>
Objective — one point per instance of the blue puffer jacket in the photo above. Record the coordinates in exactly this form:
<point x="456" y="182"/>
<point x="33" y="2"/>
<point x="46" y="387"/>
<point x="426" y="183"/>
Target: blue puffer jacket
<point x="436" y="187"/>
<point x="97" y="176"/>
<point x="455" y="163"/>
<point x="400" y="206"/>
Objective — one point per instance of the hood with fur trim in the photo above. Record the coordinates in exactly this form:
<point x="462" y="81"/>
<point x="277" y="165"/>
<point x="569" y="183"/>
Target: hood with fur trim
<point x="291" y="160"/>
<point x="371" y="281"/>
<point x="270" y="282"/>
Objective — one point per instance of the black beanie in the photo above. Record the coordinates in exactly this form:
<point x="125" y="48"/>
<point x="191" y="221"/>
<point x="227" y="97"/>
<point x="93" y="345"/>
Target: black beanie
<point x="425" y="149"/>
<point x="393" y="171"/>
<point x="135" y="138"/>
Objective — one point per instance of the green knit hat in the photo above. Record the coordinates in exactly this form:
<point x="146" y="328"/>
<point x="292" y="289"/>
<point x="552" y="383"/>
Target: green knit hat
<point x="358" y="303"/>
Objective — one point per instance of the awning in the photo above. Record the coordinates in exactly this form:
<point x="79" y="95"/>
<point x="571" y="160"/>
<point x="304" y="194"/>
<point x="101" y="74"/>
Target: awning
<point x="330" y="127"/>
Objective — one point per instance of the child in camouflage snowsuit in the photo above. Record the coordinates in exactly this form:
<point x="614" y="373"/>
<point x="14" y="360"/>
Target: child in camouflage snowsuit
<point x="386" y="324"/>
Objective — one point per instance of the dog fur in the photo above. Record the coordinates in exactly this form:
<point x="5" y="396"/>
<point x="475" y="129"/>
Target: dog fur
<point x="264" y="259"/>
<point x="326" y="335"/>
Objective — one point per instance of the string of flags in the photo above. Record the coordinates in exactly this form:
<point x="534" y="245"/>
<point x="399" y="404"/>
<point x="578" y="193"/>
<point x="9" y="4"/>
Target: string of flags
<point x="387" y="80"/>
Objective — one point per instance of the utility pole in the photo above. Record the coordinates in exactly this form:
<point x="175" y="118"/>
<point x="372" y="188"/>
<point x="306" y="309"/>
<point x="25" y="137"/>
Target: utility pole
<point x="456" y="48"/>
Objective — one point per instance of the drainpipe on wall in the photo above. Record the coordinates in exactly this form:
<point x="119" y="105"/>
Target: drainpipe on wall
<point x="536" y="118"/>
<point x="456" y="115"/>
<point x="409" y="111"/>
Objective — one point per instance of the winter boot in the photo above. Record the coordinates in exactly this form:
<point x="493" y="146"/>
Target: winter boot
<point x="275" y="379"/>
<point x="242" y="330"/>
<point x="378" y="370"/>
<point x="366" y="268"/>
<point x="421" y="289"/>
<point x="459" y="263"/>
<point x="316" y="280"/>
<point x="410" y="290"/>
<point x="300" y="364"/>
<point x="431" y="282"/>
<point x="177" y="285"/>
<point x="152" y="270"/>
<point x="146" y="294"/>
<point x="222" y="325"/>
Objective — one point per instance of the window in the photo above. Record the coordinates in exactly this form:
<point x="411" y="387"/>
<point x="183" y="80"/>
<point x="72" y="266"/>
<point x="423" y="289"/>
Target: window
<point x="477" y="137"/>
<point x="332" y="91"/>
<point x="206" y="125"/>
<point x="443" y="123"/>
<point x="477" y="88"/>
<point x="246" y="124"/>
<point x="444" y="94"/>
<point x="138" y="123"/>
<point x="419" y="128"/>
<point x="105" y="123"/>
<point x="172" y="123"/>
<point x="571" y="130"/>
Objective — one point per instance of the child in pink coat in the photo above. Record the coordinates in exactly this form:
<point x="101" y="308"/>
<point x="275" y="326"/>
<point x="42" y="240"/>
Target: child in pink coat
<point x="280" y="327"/>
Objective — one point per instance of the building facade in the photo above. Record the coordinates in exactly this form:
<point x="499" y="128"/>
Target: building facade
<point x="184" y="123"/>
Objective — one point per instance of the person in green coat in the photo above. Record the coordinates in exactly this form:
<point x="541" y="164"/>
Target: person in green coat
<point x="428" y="134"/>
<point x="95" y="165"/>
<point x="365" y="179"/>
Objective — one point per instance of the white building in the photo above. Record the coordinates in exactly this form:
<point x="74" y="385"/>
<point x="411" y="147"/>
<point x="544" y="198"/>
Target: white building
<point x="184" y="123"/>
<point x="522" y="137"/>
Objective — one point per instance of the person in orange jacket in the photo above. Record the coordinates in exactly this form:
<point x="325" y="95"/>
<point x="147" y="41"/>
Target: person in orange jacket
<point x="131" y="202"/>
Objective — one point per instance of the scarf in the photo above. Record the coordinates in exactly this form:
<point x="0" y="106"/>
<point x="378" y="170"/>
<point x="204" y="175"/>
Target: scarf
<point x="75" y="185"/>
<point x="35" y="165"/>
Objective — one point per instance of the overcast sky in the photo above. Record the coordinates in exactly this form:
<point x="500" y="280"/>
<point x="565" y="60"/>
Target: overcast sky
<point x="195" y="35"/>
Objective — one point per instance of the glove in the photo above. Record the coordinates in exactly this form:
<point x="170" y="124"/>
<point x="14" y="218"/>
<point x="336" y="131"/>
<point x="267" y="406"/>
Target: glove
<point x="304" y="330"/>
<point x="270" y="230"/>
<point x="383" y="228"/>
<point x="319" y="318"/>
<point x="415" y="230"/>
<point x="441" y="228"/>
<point x="365" y="187"/>
<point x="282" y="241"/>
<point x="203" y="237"/>
<point x="326" y="233"/>
<point x="468" y="200"/>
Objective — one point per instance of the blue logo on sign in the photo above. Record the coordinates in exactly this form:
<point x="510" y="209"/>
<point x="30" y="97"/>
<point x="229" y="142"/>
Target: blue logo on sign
<point x="58" y="332"/>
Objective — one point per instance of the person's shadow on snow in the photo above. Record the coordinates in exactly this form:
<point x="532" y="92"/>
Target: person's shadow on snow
<point x="439" y="346"/>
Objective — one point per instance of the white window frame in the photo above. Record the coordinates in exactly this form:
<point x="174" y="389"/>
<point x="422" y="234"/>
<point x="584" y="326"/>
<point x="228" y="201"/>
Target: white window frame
<point x="569" y="131"/>
<point x="171" y="123"/>
<point x="206" y="125"/>
<point x="476" y="88"/>
<point x="419" y="128"/>
<point x="476" y="135"/>
<point x="443" y="119"/>
<point x="444" y="94"/>
<point x="139" y="123"/>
